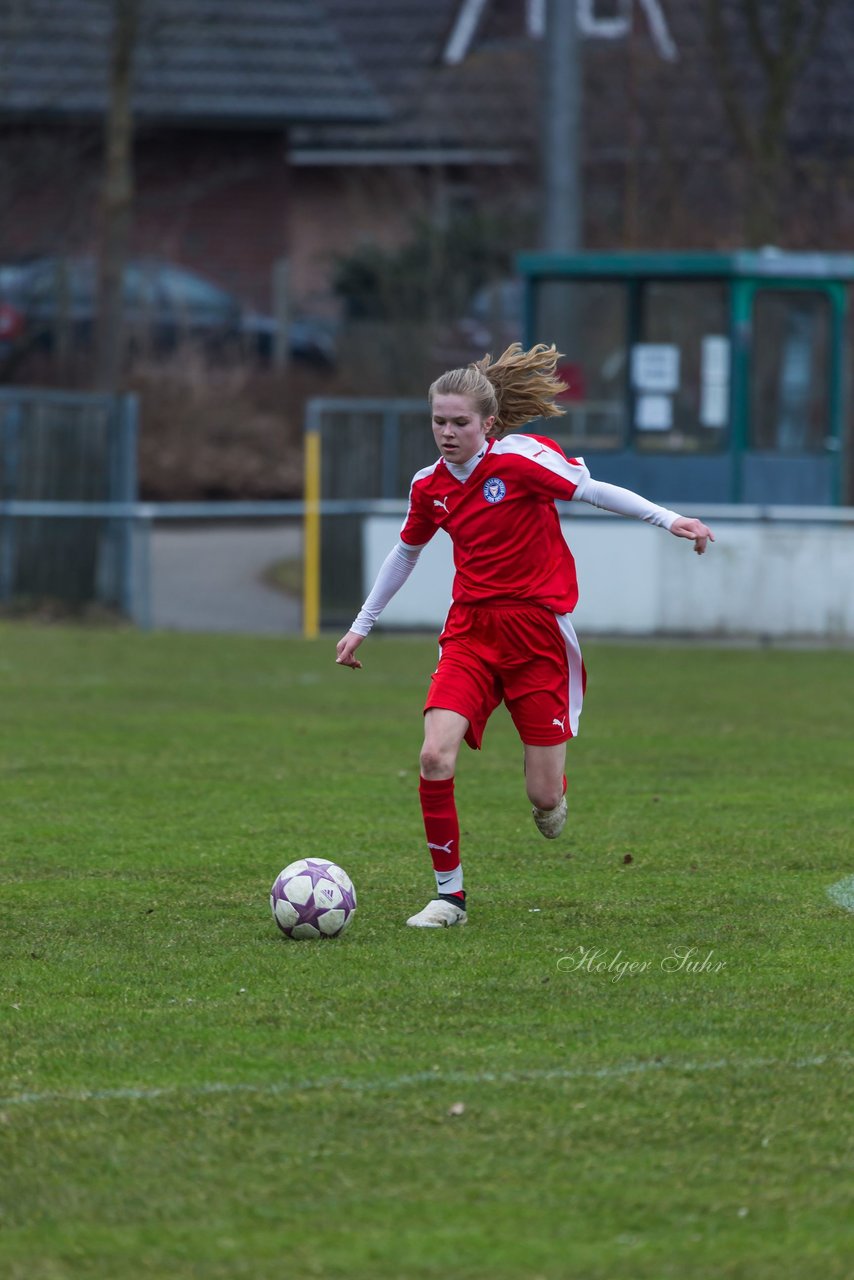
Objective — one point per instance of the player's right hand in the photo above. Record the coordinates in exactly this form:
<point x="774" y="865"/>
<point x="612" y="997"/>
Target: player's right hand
<point x="346" y="650"/>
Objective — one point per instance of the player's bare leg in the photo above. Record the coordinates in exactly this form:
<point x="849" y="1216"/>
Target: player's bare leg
<point x="545" y="782"/>
<point x="443" y="735"/>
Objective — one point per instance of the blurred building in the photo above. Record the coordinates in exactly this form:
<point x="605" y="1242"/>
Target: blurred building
<point x="683" y="121"/>
<point x="304" y="129"/>
<point x="217" y="87"/>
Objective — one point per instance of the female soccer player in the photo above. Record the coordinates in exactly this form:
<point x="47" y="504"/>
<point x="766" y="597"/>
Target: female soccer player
<point x="508" y="634"/>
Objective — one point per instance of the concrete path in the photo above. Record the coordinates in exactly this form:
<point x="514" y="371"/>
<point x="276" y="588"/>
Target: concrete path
<point x="209" y="579"/>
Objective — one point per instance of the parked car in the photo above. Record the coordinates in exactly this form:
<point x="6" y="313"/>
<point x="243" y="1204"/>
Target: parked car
<point x="310" y="341"/>
<point x="12" y="323"/>
<point x="163" y="304"/>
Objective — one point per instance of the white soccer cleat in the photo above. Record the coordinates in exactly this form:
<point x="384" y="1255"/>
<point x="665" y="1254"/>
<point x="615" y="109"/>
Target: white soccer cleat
<point x="551" y="821"/>
<point x="439" y="914"/>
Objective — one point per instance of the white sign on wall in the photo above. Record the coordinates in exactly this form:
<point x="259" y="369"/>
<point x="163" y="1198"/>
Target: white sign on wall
<point x="714" y="358"/>
<point x="653" y="413"/>
<point x="714" y="380"/>
<point x="714" y="404"/>
<point x="655" y="366"/>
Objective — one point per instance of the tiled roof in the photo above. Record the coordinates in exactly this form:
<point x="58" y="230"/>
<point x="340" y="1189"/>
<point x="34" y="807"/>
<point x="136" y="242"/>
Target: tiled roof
<point x="357" y="76"/>
<point x="253" y="62"/>
<point x="633" y="97"/>
<point x="483" y="106"/>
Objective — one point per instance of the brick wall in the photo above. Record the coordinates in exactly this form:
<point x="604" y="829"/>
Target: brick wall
<point x="215" y="202"/>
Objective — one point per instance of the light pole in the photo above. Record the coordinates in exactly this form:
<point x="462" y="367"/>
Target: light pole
<point x="560" y="160"/>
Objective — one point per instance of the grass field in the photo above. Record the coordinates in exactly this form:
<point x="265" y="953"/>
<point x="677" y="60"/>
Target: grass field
<point x="185" y="1093"/>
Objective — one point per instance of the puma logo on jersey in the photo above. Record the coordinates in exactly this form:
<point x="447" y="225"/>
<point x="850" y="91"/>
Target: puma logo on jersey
<point x="441" y="848"/>
<point x="539" y="451"/>
<point x="561" y="724"/>
<point x="443" y="504"/>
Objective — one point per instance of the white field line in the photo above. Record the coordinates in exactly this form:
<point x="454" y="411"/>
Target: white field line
<point x="393" y="1083"/>
<point x="842" y="893"/>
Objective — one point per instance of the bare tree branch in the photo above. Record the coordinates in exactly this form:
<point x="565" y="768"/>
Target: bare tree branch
<point x="782" y="63"/>
<point x="764" y="52"/>
<point x="815" y="32"/>
<point x="724" y="72"/>
<point x="117" y="196"/>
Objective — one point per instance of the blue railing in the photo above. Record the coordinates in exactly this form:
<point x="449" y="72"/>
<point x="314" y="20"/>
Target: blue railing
<point x="135" y="520"/>
<point x="138" y="518"/>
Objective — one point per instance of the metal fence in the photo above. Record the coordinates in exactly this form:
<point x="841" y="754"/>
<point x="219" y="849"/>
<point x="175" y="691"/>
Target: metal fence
<point x="71" y="530"/>
<point x="205" y="525"/>
<point x="74" y="449"/>
<point x="138" y="521"/>
<point x="363" y="450"/>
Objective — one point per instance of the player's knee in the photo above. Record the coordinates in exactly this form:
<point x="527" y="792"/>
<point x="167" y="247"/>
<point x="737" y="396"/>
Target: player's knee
<point x="545" y="795"/>
<point x="437" y="761"/>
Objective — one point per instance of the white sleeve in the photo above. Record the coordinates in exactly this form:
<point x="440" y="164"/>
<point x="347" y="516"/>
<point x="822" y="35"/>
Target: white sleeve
<point x="394" y="571"/>
<point x="623" y="502"/>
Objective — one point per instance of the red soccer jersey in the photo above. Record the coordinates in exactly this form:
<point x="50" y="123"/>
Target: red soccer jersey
<point x="503" y="522"/>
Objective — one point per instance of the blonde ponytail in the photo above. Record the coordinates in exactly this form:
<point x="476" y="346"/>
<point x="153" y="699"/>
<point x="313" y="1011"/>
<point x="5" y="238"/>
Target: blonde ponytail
<point x="518" y="386"/>
<point x="525" y="385"/>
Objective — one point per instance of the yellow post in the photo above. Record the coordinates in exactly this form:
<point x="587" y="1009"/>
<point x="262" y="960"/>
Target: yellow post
<point x="311" y="538"/>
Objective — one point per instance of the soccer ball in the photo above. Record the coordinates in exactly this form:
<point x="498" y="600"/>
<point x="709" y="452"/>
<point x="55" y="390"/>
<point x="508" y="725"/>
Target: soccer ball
<point x="312" y="898"/>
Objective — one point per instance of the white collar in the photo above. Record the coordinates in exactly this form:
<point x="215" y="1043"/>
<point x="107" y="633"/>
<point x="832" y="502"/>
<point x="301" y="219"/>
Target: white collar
<point x="462" y="470"/>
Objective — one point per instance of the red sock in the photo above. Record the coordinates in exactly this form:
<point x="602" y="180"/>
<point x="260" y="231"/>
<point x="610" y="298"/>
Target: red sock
<point x="442" y="828"/>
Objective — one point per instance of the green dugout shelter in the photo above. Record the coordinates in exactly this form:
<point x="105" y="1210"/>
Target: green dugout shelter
<point x="700" y="377"/>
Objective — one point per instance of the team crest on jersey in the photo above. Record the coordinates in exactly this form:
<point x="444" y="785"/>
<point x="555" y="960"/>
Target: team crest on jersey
<point x="494" y="490"/>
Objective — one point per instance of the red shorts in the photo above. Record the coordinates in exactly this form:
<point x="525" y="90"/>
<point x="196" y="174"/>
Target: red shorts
<point x="523" y="655"/>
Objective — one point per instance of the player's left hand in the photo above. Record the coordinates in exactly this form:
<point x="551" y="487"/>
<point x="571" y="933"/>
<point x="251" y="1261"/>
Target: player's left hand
<point x="686" y="527"/>
<point x="345" y="651"/>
